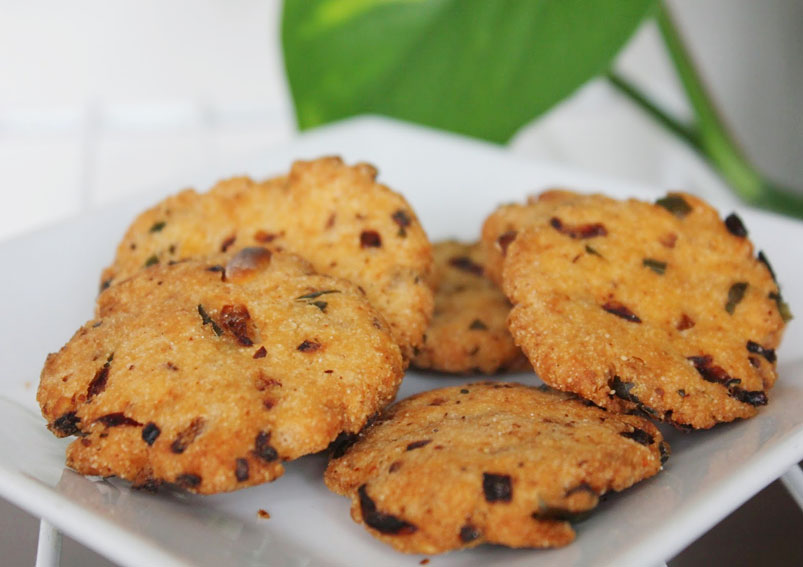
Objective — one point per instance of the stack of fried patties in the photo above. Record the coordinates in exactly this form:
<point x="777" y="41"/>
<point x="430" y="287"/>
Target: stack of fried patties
<point x="260" y="322"/>
<point x="244" y="327"/>
<point x="635" y="310"/>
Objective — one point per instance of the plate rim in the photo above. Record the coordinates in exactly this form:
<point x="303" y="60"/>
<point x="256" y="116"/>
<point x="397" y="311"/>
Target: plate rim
<point x="766" y="465"/>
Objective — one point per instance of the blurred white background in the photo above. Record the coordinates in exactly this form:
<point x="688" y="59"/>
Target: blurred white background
<point x="99" y="99"/>
<point x="103" y="98"/>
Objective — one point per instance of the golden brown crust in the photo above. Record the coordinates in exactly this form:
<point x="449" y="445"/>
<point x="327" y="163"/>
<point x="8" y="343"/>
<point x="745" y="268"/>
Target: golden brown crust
<point x="635" y="307"/>
<point x="502" y="226"/>
<point x="337" y="216"/>
<point x="491" y="462"/>
<point x="209" y="375"/>
<point x="468" y="332"/>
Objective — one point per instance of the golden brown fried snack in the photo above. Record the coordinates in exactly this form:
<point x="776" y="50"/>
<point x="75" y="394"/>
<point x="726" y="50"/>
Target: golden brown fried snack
<point x="210" y="373"/>
<point x="468" y="332"/>
<point x="501" y="226"/>
<point x="338" y="217"/>
<point x="493" y="462"/>
<point x="658" y="307"/>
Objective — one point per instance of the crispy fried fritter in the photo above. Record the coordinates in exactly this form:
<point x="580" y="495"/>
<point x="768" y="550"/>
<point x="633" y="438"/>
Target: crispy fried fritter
<point x="660" y="307"/>
<point x="338" y="217"/>
<point x="468" y="332"/>
<point x="210" y="373"/>
<point x="493" y="462"/>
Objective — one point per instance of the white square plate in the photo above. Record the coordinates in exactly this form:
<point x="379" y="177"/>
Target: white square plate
<point x="49" y="284"/>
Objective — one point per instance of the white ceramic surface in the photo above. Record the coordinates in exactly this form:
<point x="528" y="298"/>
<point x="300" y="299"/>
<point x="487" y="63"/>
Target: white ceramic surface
<point x="49" y="283"/>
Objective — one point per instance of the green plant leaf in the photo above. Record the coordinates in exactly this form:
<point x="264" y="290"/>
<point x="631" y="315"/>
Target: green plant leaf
<point x="480" y="67"/>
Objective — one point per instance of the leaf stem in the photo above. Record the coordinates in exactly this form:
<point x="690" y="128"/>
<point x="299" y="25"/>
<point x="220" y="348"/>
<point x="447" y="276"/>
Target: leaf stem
<point x="632" y="92"/>
<point x="712" y="137"/>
